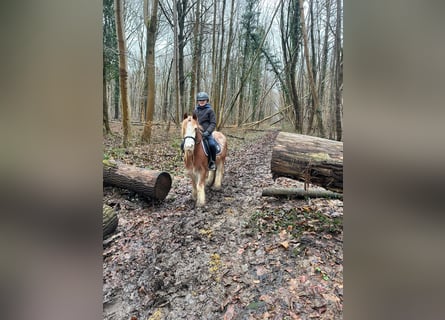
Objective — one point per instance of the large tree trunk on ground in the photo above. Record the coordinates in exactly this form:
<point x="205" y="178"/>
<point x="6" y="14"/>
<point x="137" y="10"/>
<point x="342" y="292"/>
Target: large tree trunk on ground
<point x="309" y="159"/>
<point x="150" y="184"/>
<point x="109" y="221"/>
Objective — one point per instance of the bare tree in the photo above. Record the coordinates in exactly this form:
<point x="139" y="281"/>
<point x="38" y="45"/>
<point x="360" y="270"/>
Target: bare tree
<point x="324" y="58"/>
<point x="316" y="104"/>
<point x="178" y="99"/>
<point x="106" y="124"/>
<point x="339" y="74"/>
<point x="290" y="43"/>
<point x="217" y="60"/>
<point x="151" y="25"/>
<point x="123" y="75"/>
<point x="224" y="88"/>
<point x="197" y="41"/>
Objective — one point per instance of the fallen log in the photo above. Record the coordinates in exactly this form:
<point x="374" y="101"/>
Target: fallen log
<point x="109" y="221"/>
<point x="309" y="159"/>
<point x="300" y="193"/>
<point x="150" y="184"/>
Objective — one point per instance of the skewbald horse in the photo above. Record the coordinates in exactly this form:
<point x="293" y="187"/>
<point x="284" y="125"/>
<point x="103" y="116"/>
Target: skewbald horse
<point x="196" y="161"/>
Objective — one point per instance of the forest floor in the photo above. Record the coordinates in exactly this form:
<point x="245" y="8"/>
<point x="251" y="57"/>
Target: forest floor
<point x="242" y="256"/>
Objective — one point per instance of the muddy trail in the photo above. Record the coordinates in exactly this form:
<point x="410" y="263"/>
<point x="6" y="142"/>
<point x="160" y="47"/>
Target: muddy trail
<point x="242" y="256"/>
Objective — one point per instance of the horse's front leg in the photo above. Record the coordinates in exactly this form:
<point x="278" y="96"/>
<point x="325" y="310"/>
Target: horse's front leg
<point x="194" y="189"/>
<point x="200" y="186"/>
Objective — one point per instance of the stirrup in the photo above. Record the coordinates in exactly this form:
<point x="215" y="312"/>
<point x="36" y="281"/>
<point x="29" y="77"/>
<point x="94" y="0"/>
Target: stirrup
<point x="212" y="165"/>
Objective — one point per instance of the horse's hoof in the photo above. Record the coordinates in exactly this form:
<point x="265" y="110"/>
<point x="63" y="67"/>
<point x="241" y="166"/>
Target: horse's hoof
<point x="199" y="204"/>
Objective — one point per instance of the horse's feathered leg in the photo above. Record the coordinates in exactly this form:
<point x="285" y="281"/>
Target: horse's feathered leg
<point x="210" y="178"/>
<point x="219" y="175"/>
<point x="200" y="186"/>
<point x="194" y="189"/>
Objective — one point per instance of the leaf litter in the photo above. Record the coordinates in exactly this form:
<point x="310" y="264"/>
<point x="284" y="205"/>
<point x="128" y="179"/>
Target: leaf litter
<point x="242" y="256"/>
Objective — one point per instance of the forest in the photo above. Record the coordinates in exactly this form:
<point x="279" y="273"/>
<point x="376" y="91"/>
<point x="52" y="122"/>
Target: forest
<point x="262" y="62"/>
<point x="268" y="244"/>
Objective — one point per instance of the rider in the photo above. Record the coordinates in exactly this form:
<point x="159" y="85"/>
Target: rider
<point x="207" y="119"/>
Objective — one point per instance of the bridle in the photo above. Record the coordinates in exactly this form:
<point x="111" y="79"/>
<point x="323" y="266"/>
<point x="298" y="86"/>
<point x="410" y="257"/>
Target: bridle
<point x="196" y="142"/>
<point x="190" y="137"/>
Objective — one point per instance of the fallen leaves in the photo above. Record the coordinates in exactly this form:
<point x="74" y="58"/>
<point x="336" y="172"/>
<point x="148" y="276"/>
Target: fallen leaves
<point x="285" y="244"/>
<point x="230" y="313"/>
<point x="215" y="266"/>
<point x="206" y="232"/>
<point x="239" y="258"/>
<point x="157" y="315"/>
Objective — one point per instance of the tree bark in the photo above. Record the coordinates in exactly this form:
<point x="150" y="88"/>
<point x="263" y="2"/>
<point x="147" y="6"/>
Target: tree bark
<point x="123" y="75"/>
<point x="106" y="122"/>
<point x="151" y="24"/>
<point x="150" y="184"/>
<point x="315" y="108"/>
<point x="290" y="44"/>
<point x="219" y="117"/>
<point x="300" y="193"/>
<point x="324" y="59"/>
<point x="195" y="56"/>
<point x="309" y="159"/>
<point x="339" y="74"/>
<point x="178" y="101"/>
<point x="109" y="221"/>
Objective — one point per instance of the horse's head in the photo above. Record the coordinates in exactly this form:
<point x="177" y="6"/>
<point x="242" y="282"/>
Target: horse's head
<point x="190" y="129"/>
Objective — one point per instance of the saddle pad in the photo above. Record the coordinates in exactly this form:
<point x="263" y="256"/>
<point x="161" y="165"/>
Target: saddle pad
<point x="218" y="148"/>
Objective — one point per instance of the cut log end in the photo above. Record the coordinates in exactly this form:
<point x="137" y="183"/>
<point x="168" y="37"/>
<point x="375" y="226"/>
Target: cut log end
<point x="162" y="185"/>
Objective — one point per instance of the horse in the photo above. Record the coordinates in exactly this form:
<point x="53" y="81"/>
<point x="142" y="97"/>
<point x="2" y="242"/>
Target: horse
<point x="196" y="161"/>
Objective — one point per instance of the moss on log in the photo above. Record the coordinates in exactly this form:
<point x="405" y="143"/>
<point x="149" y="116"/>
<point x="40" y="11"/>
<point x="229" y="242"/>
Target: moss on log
<point x="308" y="159"/>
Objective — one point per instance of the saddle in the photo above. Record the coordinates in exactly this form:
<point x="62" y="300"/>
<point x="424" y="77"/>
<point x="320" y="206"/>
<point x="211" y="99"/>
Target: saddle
<point x="205" y="147"/>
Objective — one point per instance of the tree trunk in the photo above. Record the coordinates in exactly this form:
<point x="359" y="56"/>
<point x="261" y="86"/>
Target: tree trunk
<point x="339" y="75"/>
<point x="309" y="159"/>
<point x="195" y="57"/>
<point x="116" y="97"/>
<point x="150" y="184"/>
<point x="110" y="220"/>
<point x="300" y="193"/>
<point x="226" y="68"/>
<point x="178" y="101"/>
<point x="106" y="123"/>
<point x="315" y="108"/>
<point x="123" y="75"/>
<point x="182" y="9"/>
<point x="290" y="44"/>
<point x="219" y="63"/>
<point x="151" y="24"/>
<point x="166" y="91"/>
<point x="324" y="59"/>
